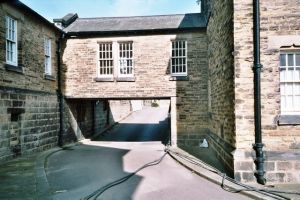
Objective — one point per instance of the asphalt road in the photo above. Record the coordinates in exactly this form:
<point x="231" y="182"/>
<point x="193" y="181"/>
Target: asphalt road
<point x="79" y="171"/>
<point x="149" y="124"/>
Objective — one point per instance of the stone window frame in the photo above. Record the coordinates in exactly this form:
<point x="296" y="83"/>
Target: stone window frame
<point x="289" y="79"/>
<point x="105" y="57"/>
<point x="16" y="67"/>
<point x="11" y="40"/>
<point x="125" y="59"/>
<point x="178" y="57"/>
<point x="288" y="117"/>
<point x="48" y="56"/>
<point x="116" y="75"/>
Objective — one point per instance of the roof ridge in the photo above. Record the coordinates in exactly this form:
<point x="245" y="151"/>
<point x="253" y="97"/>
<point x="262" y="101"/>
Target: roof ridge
<point x="144" y="16"/>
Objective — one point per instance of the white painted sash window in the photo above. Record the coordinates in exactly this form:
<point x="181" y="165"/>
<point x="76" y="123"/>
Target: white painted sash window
<point x="179" y="58"/>
<point x="290" y="82"/>
<point x="125" y="59"/>
<point x="115" y="56"/>
<point x="11" y="41"/>
<point x="106" y="60"/>
<point x="47" y="49"/>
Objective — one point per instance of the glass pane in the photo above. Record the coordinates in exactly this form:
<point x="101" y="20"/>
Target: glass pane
<point x="282" y="88"/>
<point x="184" y="68"/>
<point x="289" y="102"/>
<point x="282" y="103"/>
<point x="282" y="74"/>
<point x="296" y="88"/>
<point x="297" y="74"/>
<point x="297" y="102"/>
<point x="297" y="59"/>
<point x="289" y="88"/>
<point x="289" y="75"/>
<point x="290" y="59"/>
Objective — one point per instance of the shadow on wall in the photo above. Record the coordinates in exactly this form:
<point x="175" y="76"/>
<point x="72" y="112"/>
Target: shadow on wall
<point x="84" y="118"/>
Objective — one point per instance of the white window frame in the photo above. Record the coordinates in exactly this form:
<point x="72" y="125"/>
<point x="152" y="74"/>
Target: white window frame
<point x="11" y="40"/>
<point x="177" y="58"/>
<point x="127" y="60"/>
<point x="105" y="60"/>
<point x="48" y="57"/>
<point x="294" y="82"/>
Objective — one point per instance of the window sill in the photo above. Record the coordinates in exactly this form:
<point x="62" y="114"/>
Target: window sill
<point x="179" y="78"/>
<point x="125" y="79"/>
<point x="13" y="68"/>
<point x="288" y="120"/>
<point x="49" y="77"/>
<point x="104" y="79"/>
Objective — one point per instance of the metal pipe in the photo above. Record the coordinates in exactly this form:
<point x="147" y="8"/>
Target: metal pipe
<point x="59" y="93"/>
<point x="258" y="146"/>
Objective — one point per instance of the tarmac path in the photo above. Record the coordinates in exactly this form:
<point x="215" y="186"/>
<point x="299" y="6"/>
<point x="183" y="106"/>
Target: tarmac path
<point x="78" y="171"/>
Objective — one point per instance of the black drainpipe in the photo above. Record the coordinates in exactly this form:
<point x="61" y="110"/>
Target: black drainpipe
<point x="258" y="146"/>
<point x="59" y="92"/>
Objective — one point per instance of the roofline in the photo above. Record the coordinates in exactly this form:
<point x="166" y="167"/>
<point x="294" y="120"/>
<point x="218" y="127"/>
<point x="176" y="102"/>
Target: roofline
<point x="135" y="32"/>
<point x="25" y="8"/>
<point x="85" y="18"/>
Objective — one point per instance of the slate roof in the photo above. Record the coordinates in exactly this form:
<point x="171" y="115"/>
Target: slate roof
<point x="136" y="24"/>
<point x="26" y="9"/>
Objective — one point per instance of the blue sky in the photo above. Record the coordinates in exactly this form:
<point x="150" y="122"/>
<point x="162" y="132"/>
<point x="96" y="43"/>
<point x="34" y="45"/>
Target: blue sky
<point x="109" y="8"/>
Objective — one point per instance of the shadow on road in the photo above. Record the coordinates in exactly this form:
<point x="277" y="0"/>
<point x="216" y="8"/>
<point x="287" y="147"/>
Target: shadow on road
<point x="138" y="132"/>
<point x="78" y="172"/>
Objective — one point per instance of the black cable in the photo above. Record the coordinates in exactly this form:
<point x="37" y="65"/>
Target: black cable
<point x="101" y="190"/>
<point x="272" y="193"/>
<point x="248" y="188"/>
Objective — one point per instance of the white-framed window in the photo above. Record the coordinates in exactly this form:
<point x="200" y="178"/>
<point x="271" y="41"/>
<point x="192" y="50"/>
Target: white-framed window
<point x="290" y="82"/>
<point x="106" y="60"/>
<point x="11" y="41"/>
<point x="47" y="49"/>
<point x="179" y="58"/>
<point x="125" y="58"/>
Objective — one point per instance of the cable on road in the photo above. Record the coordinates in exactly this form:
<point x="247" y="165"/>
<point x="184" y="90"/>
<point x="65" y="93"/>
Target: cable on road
<point x="276" y="194"/>
<point x="101" y="190"/>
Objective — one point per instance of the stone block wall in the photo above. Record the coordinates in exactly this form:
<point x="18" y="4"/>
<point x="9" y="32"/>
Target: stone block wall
<point x="28" y="101"/>
<point x="85" y="118"/>
<point x="278" y="20"/>
<point x="29" y="122"/>
<point x="221" y="81"/>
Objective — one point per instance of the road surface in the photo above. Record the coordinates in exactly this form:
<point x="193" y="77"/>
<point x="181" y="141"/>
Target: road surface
<point x="79" y="171"/>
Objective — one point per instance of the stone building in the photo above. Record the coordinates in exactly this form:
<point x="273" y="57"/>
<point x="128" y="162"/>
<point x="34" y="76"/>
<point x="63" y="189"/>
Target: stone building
<point x="201" y="62"/>
<point x="28" y="81"/>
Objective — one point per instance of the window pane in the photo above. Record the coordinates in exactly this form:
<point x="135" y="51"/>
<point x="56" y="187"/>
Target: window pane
<point x="297" y="102"/>
<point x="289" y="88"/>
<point x="297" y="88"/>
<point x="282" y="88"/>
<point x="282" y="74"/>
<point x="282" y="59"/>
<point x="289" y="102"/>
<point x="290" y="59"/>
<point x="282" y="103"/>
<point x="297" y="59"/>
<point x="297" y="74"/>
<point x="289" y="75"/>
